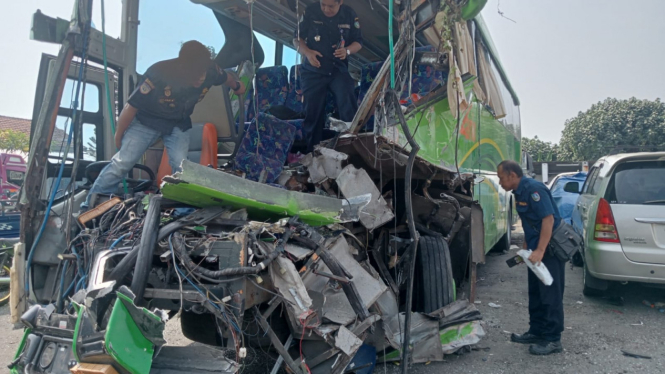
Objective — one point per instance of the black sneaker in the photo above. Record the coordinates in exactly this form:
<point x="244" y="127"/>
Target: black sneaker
<point x="545" y="348"/>
<point x="526" y="338"/>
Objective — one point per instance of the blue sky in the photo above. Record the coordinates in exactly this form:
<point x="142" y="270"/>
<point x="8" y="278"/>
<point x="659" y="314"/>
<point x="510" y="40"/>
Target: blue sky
<point x="163" y="29"/>
<point x="562" y="56"/>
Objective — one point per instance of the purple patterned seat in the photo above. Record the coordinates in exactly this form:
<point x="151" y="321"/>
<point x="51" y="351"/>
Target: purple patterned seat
<point x="425" y="80"/>
<point x="294" y="97"/>
<point x="368" y="73"/>
<point x="264" y="148"/>
<point x="272" y="86"/>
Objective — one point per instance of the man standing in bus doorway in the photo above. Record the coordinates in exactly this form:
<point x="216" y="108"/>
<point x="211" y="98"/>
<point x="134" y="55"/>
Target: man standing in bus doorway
<point x="540" y="217"/>
<point x="161" y="107"/>
<point x="327" y="34"/>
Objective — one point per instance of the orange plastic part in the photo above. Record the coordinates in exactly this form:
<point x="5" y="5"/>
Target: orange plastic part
<point x="208" y="152"/>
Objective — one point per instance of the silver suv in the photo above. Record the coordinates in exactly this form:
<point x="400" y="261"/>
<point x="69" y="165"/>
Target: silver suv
<point x="621" y="215"/>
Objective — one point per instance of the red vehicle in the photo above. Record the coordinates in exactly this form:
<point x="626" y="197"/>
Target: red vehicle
<point x="12" y="173"/>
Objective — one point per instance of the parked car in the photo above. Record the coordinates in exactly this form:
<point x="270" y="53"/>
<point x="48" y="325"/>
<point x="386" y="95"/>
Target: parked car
<point x="12" y="169"/>
<point x="565" y="200"/>
<point x="552" y="181"/>
<point x="621" y="216"/>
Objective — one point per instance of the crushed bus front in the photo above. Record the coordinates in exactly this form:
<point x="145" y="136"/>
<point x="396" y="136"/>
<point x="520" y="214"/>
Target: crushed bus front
<point x="336" y="260"/>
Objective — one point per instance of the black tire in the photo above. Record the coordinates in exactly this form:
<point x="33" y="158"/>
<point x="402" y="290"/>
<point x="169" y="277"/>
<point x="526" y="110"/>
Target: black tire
<point x="591" y="283"/>
<point x="577" y="260"/>
<point x="434" y="284"/>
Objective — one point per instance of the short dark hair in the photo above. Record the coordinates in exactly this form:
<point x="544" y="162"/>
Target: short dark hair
<point x="511" y="166"/>
<point x="195" y="55"/>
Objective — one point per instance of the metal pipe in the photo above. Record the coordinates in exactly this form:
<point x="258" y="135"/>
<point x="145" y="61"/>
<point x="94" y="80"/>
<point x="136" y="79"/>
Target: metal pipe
<point x="280" y="359"/>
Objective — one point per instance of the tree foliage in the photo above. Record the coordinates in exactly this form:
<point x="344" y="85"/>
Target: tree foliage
<point x="12" y="140"/>
<point x="539" y="150"/>
<point x="90" y="148"/>
<point x="613" y="126"/>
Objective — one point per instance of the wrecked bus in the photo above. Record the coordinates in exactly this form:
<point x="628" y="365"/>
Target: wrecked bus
<point x="363" y="251"/>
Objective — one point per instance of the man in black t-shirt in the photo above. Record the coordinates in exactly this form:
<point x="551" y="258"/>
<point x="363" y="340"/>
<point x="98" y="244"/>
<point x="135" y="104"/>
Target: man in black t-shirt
<point x="161" y="107"/>
<point x="328" y="33"/>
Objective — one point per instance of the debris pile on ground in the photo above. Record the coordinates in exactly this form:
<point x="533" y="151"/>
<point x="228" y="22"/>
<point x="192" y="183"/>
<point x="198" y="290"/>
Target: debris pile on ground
<point x="314" y="266"/>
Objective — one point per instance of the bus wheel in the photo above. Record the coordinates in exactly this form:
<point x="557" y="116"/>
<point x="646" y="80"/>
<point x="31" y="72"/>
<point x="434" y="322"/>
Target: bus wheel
<point x="434" y="284"/>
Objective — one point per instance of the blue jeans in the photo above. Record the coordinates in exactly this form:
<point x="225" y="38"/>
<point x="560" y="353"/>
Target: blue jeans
<point x="135" y="141"/>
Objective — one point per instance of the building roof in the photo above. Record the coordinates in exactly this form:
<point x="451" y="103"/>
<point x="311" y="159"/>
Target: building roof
<point x="16" y="124"/>
<point x="23" y="125"/>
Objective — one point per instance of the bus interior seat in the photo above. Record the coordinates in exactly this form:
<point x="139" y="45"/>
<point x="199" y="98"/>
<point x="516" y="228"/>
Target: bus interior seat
<point x="294" y="99"/>
<point x="368" y="74"/>
<point x="216" y="108"/>
<point x="202" y="149"/>
<point x="265" y="163"/>
<point x="272" y="85"/>
<point x="425" y="80"/>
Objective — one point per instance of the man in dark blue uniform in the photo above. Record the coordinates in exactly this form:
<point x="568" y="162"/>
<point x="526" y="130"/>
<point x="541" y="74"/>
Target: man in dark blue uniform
<point x="328" y="33"/>
<point x="161" y="107"/>
<point x="540" y="217"/>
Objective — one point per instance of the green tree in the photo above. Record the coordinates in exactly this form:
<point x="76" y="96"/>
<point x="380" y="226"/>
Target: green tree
<point x="539" y="150"/>
<point x="614" y="126"/>
<point x="12" y="140"/>
<point x="90" y="148"/>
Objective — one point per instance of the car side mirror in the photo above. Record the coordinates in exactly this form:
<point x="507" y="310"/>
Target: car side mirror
<point x="572" y="187"/>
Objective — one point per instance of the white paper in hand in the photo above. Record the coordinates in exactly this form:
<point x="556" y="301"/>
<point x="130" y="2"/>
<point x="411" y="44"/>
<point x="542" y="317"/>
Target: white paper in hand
<point x="540" y="270"/>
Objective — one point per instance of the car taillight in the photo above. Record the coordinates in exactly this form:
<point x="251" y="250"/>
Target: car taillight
<point x="605" y="229"/>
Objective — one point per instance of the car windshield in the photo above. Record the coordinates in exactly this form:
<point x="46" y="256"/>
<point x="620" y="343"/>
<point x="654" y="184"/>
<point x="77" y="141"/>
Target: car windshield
<point x="640" y="182"/>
